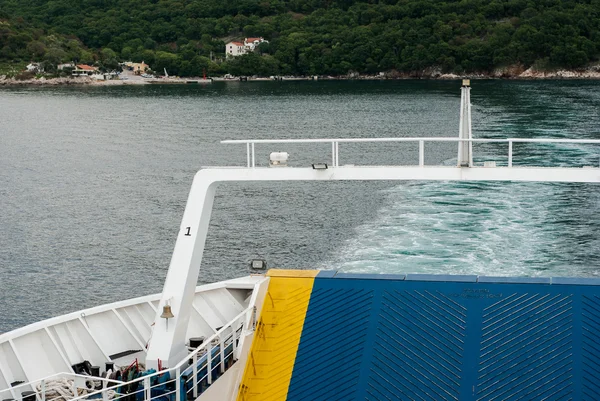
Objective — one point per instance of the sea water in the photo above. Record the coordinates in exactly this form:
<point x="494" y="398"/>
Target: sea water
<point x="94" y="181"/>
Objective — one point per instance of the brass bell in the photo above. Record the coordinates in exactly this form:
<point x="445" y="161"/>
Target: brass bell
<point x="167" y="314"/>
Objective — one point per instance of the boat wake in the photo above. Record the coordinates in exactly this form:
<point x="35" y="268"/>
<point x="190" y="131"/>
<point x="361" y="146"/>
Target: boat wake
<point x="505" y="229"/>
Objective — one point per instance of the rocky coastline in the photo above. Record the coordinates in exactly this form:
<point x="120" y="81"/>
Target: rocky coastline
<point x="64" y="81"/>
<point x="513" y="72"/>
<point x="520" y="72"/>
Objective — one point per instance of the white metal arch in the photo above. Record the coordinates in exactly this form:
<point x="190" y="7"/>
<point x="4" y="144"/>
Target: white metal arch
<point x="168" y="338"/>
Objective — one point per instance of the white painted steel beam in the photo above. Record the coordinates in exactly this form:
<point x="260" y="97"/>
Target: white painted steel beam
<point x="58" y="348"/>
<point x="86" y="327"/>
<point x="168" y="341"/>
<point x="129" y="329"/>
<point x="7" y="380"/>
<point x="15" y="351"/>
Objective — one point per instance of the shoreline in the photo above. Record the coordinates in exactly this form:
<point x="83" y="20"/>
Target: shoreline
<point x="513" y="73"/>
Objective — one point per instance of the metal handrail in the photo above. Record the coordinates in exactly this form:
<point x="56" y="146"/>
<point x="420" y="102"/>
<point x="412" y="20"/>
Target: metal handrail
<point x="251" y="153"/>
<point x="226" y="336"/>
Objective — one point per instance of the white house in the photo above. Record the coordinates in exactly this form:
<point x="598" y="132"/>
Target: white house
<point x="33" y="67"/>
<point x="251" y="43"/>
<point x="61" y="67"/>
<point x="233" y="49"/>
<point x="84" y="69"/>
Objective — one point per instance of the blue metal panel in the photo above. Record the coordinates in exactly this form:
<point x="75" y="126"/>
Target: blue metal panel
<point x="442" y="277"/>
<point x="515" y="280"/>
<point x="418" y="347"/>
<point x="575" y="281"/>
<point x="360" y="276"/>
<point x="590" y="347"/>
<point x="346" y="313"/>
<point x="526" y="347"/>
<point x="449" y="340"/>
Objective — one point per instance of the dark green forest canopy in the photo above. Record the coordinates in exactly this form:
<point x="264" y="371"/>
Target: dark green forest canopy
<point x="306" y="37"/>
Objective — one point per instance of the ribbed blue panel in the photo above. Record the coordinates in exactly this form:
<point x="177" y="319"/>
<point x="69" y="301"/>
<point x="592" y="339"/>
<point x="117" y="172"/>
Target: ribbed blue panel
<point x="590" y="344"/>
<point x="526" y="346"/>
<point x="420" y="337"/>
<point x="393" y="339"/>
<point x="347" y="314"/>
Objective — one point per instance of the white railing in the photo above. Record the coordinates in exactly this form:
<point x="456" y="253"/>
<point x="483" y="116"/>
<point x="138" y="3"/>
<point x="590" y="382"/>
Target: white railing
<point x="335" y="142"/>
<point x="185" y="380"/>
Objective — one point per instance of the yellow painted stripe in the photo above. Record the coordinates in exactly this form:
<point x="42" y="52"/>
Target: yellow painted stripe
<point x="292" y="273"/>
<point x="271" y="361"/>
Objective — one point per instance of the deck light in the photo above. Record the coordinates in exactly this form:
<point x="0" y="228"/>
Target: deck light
<point x="258" y="264"/>
<point x="319" y="166"/>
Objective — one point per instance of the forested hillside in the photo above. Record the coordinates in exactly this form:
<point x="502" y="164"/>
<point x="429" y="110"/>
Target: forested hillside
<point x="306" y="37"/>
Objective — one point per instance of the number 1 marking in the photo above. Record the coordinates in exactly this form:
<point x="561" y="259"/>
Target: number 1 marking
<point x="187" y="234"/>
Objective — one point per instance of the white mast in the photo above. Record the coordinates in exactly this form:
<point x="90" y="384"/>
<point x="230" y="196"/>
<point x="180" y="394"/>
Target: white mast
<point x="465" y="149"/>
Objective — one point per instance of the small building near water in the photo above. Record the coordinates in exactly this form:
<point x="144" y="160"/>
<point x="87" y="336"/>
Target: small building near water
<point x="61" y="67"/>
<point x="34" y="67"/>
<point x="251" y="43"/>
<point x="137" y="68"/>
<point x="233" y="49"/>
<point x="84" y="69"/>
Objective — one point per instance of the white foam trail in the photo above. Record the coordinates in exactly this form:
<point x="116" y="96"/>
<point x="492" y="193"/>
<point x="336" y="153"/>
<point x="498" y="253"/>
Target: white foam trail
<point x="506" y="229"/>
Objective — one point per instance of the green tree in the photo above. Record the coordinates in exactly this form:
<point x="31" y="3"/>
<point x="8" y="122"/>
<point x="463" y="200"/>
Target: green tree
<point x="169" y="61"/>
<point x="108" y="60"/>
<point x="36" y="49"/>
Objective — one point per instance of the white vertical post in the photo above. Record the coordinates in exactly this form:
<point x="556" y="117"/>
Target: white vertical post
<point x="460" y="128"/>
<point x="510" y="153"/>
<point x="178" y="384"/>
<point x="253" y="159"/>
<point x="465" y="147"/>
<point x="222" y="352"/>
<point x="470" y="132"/>
<point x="104" y="392"/>
<point x="147" y="389"/>
<point x="234" y="340"/>
<point x="332" y="154"/>
<point x="248" y="154"/>
<point x="195" y="373"/>
<point x="209" y="363"/>
<point x="421" y="153"/>
<point x="43" y="390"/>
